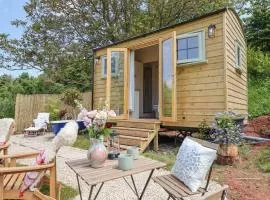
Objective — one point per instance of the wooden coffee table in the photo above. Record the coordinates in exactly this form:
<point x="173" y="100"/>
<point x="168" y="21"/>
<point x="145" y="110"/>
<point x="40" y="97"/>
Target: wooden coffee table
<point x="110" y="171"/>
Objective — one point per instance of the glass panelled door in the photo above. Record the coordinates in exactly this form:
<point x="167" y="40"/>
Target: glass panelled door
<point x="167" y="75"/>
<point x="117" y="81"/>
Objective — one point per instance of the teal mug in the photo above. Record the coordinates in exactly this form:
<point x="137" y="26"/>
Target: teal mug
<point x="125" y="162"/>
<point x="134" y="152"/>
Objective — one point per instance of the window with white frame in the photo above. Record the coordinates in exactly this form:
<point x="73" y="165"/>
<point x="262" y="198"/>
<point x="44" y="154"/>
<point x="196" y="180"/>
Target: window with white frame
<point x="191" y="47"/>
<point x="114" y="63"/>
<point x="238" y="55"/>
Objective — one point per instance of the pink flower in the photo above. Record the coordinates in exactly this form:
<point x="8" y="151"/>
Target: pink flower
<point x="87" y="120"/>
<point x="111" y="113"/>
<point x="92" y="114"/>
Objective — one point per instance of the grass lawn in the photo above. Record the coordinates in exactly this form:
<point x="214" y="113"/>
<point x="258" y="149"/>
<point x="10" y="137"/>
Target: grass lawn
<point x="67" y="192"/>
<point x="264" y="160"/>
<point x="166" y="157"/>
<point x="82" y="142"/>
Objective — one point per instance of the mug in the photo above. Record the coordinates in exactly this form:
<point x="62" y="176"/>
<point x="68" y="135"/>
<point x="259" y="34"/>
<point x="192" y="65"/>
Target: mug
<point x="125" y="162"/>
<point x="134" y="152"/>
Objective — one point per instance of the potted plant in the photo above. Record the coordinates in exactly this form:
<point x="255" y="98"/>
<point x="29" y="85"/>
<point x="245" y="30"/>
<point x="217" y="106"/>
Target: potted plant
<point x="227" y="133"/>
<point x="95" y="122"/>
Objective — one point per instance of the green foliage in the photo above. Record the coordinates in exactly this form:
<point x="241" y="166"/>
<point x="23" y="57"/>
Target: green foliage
<point x="258" y="97"/>
<point x="225" y="130"/>
<point x="257" y="25"/>
<point x="263" y="161"/>
<point x="258" y="83"/>
<point x="244" y="150"/>
<point x="204" y="130"/>
<point x="70" y="95"/>
<point x="24" y="84"/>
<point x="67" y="192"/>
<point x="82" y="142"/>
<point x="59" y="35"/>
<point x="54" y="109"/>
<point x="97" y="134"/>
<point x="166" y="157"/>
<point x="258" y="63"/>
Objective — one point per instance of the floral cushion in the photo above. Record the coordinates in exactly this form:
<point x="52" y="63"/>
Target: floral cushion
<point x="192" y="163"/>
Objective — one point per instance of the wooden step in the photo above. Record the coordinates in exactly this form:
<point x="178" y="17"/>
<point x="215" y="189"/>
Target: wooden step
<point x="140" y="124"/>
<point x="125" y="147"/>
<point x="131" y="141"/>
<point x="134" y="132"/>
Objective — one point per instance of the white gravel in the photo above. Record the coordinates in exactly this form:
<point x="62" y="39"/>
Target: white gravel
<point x="112" y="190"/>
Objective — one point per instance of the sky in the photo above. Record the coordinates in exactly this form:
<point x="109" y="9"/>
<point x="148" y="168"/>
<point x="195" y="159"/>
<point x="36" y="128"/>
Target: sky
<point x="9" y="11"/>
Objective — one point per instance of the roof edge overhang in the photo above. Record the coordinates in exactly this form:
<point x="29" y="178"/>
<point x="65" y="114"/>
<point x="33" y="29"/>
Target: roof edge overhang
<point x="173" y="26"/>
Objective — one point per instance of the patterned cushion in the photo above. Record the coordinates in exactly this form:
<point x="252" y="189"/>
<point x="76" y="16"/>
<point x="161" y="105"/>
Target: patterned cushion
<point x="192" y="163"/>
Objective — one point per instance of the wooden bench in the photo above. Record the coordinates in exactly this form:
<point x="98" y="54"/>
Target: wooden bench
<point x="178" y="190"/>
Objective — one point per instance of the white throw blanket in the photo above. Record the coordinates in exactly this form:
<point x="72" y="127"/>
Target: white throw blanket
<point x="6" y="129"/>
<point x="66" y="137"/>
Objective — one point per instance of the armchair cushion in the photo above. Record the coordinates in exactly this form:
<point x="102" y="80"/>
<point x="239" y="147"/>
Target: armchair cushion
<point x="193" y="161"/>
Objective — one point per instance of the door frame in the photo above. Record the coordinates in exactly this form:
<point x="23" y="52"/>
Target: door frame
<point x="125" y="114"/>
<point x="173" y="118"/>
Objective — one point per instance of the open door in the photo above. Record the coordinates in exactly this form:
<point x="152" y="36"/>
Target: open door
<point x="117" y="86"/>
<point x="167" y="78"/>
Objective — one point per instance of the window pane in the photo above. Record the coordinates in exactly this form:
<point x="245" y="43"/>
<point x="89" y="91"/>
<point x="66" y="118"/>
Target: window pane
<point x="193" y="42"/>
<point x="113" y="62"/>
<point x="193" y="53"/>
<point x="105" y="65"/>
<point x="117" y="83"/>
<point x="167" y="78"/>
<point x="182" y="55"/>
<point x="182" y="44"/>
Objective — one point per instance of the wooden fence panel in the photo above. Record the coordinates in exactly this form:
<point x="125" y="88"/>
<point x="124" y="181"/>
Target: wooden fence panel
<point x="28" y="106"/>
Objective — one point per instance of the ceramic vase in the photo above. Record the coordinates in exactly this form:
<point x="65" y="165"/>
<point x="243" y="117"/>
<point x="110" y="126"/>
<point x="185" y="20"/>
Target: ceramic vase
<point x="97" y="153"/>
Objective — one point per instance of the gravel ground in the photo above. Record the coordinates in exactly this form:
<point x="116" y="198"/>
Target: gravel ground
<point x="112" y="190"/>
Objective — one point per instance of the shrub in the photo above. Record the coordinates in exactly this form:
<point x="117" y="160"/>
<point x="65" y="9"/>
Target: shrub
<point x="258" y="63"/>
<point x="204" y="130"/>
<point x="258" y="83"/>
<point x="225" y="130"/>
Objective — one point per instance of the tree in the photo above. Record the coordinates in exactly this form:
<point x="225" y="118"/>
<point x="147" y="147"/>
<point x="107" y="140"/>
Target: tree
<point x="24" y="84"/>
<point x="59" y="32"/>
<point x="258" y="24"/>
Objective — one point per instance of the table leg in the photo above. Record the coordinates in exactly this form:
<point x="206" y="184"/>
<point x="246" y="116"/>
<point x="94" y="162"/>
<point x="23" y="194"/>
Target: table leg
<point x="146" y="184"/>
<point x="134" y="186"/>
<point x="79" y="186"/>
<point x="98" y="191"/>
<point x="91" y="191"/>
<point x="133" y="190"/>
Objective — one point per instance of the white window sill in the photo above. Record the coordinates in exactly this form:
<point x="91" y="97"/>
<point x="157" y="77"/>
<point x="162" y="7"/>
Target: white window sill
<point x="179" y="64"/>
